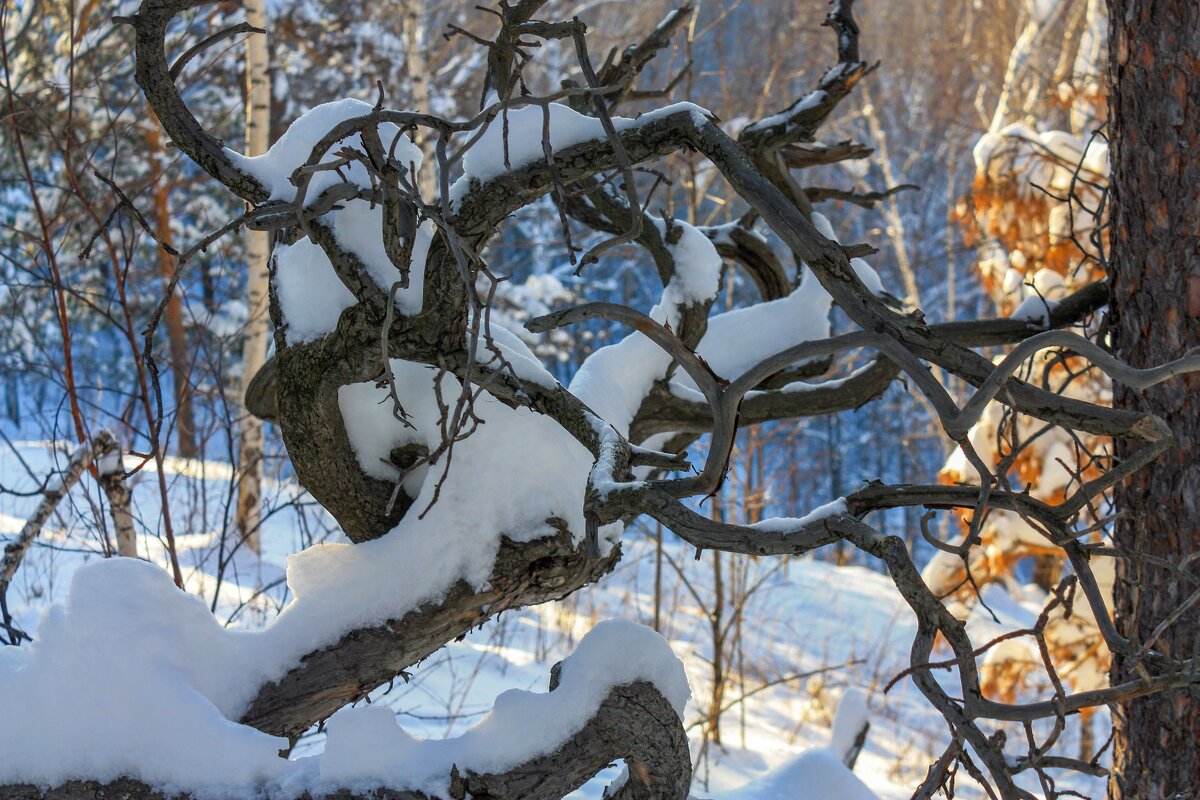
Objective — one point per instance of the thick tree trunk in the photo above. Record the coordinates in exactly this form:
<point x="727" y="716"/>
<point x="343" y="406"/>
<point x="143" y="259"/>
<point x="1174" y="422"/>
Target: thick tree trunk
<point x="1155" y="115"/>
<point x="258" y="255"/>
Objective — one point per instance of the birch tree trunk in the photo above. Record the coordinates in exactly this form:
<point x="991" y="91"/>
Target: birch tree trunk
<point x="258" y="249"/>
<point x="417" y="70"/>
<point x="1154" y="68"/>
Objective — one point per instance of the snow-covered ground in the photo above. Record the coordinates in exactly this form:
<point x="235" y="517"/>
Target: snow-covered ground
<point x="810" y="631"/>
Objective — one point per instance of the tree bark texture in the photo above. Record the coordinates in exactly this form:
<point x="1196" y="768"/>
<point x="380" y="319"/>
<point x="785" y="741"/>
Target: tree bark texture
<point x="1155" y="113"/>
<point x="258" y="255"/>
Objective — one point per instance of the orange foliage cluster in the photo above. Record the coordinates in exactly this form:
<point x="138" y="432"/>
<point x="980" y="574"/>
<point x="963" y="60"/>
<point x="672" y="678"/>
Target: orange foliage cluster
<point x="1028" y="215"/>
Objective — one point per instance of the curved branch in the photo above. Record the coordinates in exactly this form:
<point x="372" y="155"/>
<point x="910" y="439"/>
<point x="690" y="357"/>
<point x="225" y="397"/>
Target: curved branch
<point x="207" y="42"/>
<point x="154" y="77"/>
<point x="743" y="247"/>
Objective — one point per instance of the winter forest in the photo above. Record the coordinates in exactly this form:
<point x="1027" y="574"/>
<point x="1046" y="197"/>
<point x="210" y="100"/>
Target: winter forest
<point x="735" y="400"/>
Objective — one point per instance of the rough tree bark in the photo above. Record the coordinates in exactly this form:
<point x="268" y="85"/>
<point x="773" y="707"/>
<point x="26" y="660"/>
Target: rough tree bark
<point x="1155" y="115"/>
<point x="258" y="256"/>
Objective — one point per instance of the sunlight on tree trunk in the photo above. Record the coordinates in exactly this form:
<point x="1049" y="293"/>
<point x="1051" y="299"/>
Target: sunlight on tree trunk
<point x="254" y="352"/>
<point x="1155" y="100"/>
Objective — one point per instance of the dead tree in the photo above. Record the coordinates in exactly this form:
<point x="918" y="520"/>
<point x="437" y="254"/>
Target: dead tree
<point x="595" y="181"/>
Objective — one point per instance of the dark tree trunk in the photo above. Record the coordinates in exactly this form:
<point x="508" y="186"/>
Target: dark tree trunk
<point x="1155" y="114"/>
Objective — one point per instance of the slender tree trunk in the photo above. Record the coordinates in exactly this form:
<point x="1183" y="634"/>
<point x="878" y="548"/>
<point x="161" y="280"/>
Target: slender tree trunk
<point x="110" y="472"/>
<point x="258" y="251"/>
<point x="716" y="621"/>
<point x="415" y="15"/>
<point x="185" y="418"/>
<point x="658" y="572"/>
<point x="891" y="209"/>
<point x="1154" y="66"/>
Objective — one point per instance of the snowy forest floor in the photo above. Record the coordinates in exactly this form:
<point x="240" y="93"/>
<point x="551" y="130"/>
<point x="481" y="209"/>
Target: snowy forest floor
<point x="800" y="618"/>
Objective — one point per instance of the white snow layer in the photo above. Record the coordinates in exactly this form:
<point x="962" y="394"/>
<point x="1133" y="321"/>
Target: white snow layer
<point x="131" y="677"/>
<point x="1034" y="309"/>
<point x="310" y="294"/>
<point x="502" y="349"/>
<point x="275" y="167"/>
<point x="358" y="227"/>
<point x="697" y="264"/>
<point x="78" y="696"/>
<point x="516" y="137"/>
<point x="820" y="773"/>
<point x="851" y="717"/>
<point x="813" y="775"/>
<point x="781" y="524"/>
<point x="737" y="340"/>
<point x="865" y="272"/>
<point x="367" y="749"/>
<point x="615" y="379"/>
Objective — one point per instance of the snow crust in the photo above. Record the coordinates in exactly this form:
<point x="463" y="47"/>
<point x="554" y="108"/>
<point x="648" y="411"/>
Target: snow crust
<point x="780" y="524"/>
<point x="125" y="634"/>
<point x="76" y="702"/>
<point x="515" y="138"/>
<point x="366" y="748"/>
<point x="310" y="294"/>
<point x="851" y="716"/>
<point x="615" y="379"/>
<point x="357" y="227"/>
<point x="275" y="167"/>
<point x="813" y="775"/>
